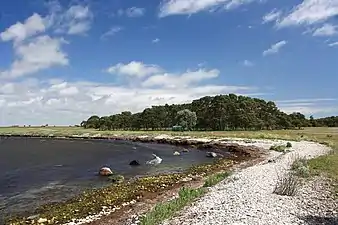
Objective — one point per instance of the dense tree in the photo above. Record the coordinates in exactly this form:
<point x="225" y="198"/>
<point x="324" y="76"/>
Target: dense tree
<point x="186" y="119"/>
<point x="221" y="112"/>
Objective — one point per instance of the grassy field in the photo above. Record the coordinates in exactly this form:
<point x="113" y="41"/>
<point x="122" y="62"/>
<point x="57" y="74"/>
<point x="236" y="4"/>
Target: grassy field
<point x="326" y="164"/>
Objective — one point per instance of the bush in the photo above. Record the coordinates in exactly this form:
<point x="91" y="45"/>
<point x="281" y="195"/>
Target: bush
<point x="278" y="148"/>
<point x="300" y="167"/>
<point x="287" y="185"/>
<point x="288" y="145"/>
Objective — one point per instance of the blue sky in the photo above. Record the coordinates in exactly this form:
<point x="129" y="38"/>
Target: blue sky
<point x="61" y="61"/>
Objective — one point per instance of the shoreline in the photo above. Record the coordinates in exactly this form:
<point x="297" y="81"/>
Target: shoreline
<point x="73" y="209"/>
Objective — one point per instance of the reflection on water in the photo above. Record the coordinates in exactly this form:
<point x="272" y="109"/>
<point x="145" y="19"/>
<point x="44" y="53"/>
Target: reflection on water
<point x="37" y="171"/>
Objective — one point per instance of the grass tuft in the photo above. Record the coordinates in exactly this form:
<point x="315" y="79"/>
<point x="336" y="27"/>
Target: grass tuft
<point x="215" y="179"/>
<point x="287" y="185"/>
<point x="166" y="210"/>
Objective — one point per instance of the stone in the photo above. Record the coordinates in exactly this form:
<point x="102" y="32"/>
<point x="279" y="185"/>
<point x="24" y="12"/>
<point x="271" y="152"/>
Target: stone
<point x="105" y="171"/>
<point x="211" y="154"/>
<point x="177" y="153"/>
<point x="42" y="220"/>
<point x="134" y="163"/>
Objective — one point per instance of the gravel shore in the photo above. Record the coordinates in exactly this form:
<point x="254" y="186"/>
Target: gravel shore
<point x="247" y="196"/>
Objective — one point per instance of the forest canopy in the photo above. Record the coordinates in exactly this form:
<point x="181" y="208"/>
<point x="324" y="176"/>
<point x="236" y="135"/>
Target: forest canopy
<point x="218" y="113"/>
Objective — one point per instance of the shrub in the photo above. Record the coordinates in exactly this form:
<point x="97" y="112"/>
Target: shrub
<point x="287" y="185"/>
<point x="300" y="167"/>
<point x="288" y="145"/>
<point x="278" y="148"/>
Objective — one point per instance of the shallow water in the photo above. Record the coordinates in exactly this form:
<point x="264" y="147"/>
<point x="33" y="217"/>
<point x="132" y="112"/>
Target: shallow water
<point x="35" y="171"/>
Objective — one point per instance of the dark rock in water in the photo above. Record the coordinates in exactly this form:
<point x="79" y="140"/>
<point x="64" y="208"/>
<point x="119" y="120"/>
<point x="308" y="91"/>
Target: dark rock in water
<point x="105" y="171"/>
<point x="211" y="154"/>
<point x="134" y="163"/>
<point x="116" y="178"/>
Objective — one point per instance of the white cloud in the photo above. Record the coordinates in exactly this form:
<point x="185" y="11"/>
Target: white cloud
<point x="76" y="20"/>
<point x="274" y="48"/>
<point x="20" y="31"/>
<point x="132" y="12"/>
<point x="248" y="63"/>
<point x="183" y="7"/>
<point x="310" y="100"/>
<point x="156" y="40"/>
<point x="310" y="106"/>
<point x="135" y="12"/>
<point x="310" y="12"/>
<point x="37" y="54"/>
<point x="134" y="69"/>
<point x="274" y="15"/>
<point x="183" y="80"/>
<point x="333" y="44"/>
<point x="326" y="30"/>
<point x="39" y="102"/>
<point x="112" y="31"/>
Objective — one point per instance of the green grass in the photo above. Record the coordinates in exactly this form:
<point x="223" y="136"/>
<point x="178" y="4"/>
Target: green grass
<point x="167" y="210"/>
<point x="215" y="179"/>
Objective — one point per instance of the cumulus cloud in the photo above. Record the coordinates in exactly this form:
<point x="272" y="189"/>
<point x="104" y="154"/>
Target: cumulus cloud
<point x="134" y="69"/>
<point x="274" y="48"/>
<point x="188" y="7"/>
<point x="183" y="80"/>
<point x="20" y="31"/>
<point x="326" y="30"/>
<point x="37" y="102"/>
<point x="310" y="12"/>
<point x="37" y="54"/>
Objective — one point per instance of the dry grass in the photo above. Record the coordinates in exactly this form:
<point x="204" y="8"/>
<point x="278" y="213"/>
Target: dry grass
<point x="287" y="184"/>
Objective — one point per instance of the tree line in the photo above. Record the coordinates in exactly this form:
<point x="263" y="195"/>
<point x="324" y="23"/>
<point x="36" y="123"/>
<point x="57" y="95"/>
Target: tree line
<point x="218" y="113"/>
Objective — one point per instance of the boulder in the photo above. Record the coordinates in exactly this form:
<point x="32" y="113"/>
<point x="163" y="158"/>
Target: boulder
<point x="185" y="150"/>
<point x="211" y="154"/>
<point x="134" y="163"/>
<point x="155" y="161"/>
<point x="105" y="171"/>
<point x="177" y="153"/>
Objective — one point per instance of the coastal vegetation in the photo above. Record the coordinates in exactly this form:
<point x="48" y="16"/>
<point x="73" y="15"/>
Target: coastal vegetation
<point x="219" y="113"/>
